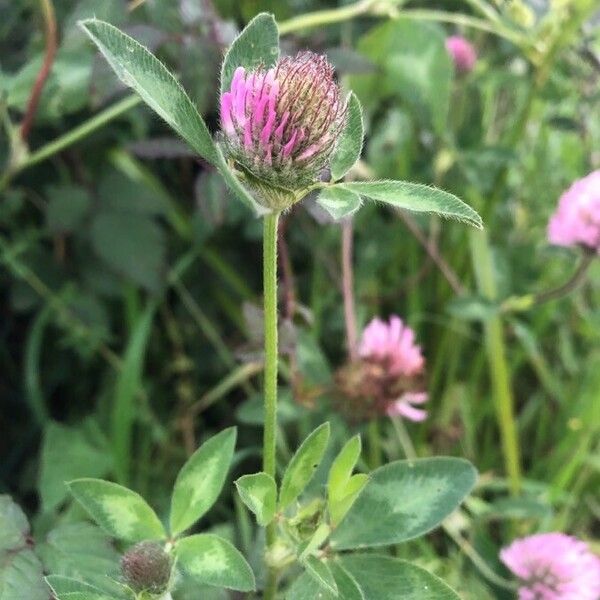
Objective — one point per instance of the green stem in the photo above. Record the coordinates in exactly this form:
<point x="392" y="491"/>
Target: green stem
<point x="271" y="354"/>
<point x="463" y="20"/>
<point x="325" y="17"/>
<point x="374" y="434"/>
<point x="496" y="356"/>
<point x="72" y="136"/>
<point x="404" y="438"/>
<point x="270" y="591"/>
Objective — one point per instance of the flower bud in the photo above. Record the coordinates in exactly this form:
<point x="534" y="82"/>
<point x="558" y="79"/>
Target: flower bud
<point x="280" y="126"/>
<point x="462" y="53"/>
<point x="146" y="567"/>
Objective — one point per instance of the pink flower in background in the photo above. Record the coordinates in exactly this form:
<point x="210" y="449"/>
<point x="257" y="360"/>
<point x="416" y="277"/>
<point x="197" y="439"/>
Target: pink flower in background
<point x="576" y="221"/>
<point x="392" y="344"/>
<point x="553" y="566"/>
<point x="281" y="124"/>
<point x="462" y="52"/>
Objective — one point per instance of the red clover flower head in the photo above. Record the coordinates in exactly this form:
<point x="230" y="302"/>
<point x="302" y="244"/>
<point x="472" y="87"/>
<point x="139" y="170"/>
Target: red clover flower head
<point x="388" y="377"/>
<point x="146" y="567"/>
<point x="553" y="566"/>
<point x="462" y="53"/>
<point x="280" y="125"/>
<point x="576" y="221"/>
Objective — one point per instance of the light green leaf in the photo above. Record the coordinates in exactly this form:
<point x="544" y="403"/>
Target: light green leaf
<point x="350" y="142"/>
<point x="306" y="588"/>
<point x="201" y="480"/>
<point x="386" y="578"/>
<point x="338" y="202"/>
<point x="66" y="588"/>
<point x="212" y="560"/>
<point x="119" y="511"/>
<point x="404" y="500"/>
<point x="259" y="494"/>
<point x="139" y="69"/>
<point x="342" y="487"/>
<point x="339" y="506"/>
<point x="69" y="453"/>
<point x="321" y="574"/>
<point x="342" y="467"/>
<point x="303" y="464"/>
<point x="416" y="197"/>
<point x="256" y="46"/>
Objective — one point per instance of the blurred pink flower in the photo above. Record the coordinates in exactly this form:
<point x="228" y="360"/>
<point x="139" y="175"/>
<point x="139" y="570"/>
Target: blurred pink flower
<point x="553" y="566"/>
<point x="394" y="345"/>
<point x="403" y="407"/>
<point x="576" y="221"/>
<point x="462" y="52"/>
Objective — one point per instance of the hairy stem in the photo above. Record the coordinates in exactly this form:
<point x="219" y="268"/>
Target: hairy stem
<point x="271" y="353"/>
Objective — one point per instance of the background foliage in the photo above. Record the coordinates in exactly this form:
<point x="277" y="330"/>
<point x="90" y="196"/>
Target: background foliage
<point x="130" y="280"/>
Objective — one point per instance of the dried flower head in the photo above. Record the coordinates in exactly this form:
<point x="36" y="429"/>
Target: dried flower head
<point x="146" y="567"/>
<point x="280" y="125"/>
<point x="553" y="566"/>
<point x="462" y="52"/>
<point x="387" y="379"/>
<point x="576" y="221"/>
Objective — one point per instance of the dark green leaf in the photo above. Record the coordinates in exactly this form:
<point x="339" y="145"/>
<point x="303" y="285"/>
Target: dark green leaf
<point x="321" y="574"/>
<point x="69" y="453"/>
<point x="131" y="245"/>
<point x="137" y="68"/>
<point x="416" y="197"/>
<point x="21" y="572"/>
<point x="256" y="46"/>
<point x="84" y="552"/>
<point x="303" y="465"/>
<point x="350" y="142"/>
<point x="67" y="207"/>
<point x="307" y="588"/>
<point x="386" y="578"/>
<point x="67" y="588"/>
<point x="404" y="500"/>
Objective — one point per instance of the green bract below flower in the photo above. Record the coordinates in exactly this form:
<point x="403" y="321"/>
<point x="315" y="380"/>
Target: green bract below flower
<point x="280" y="126"/>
